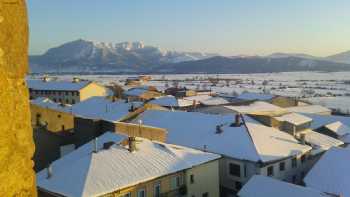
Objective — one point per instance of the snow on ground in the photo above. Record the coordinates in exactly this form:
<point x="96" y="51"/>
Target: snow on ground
<point x="328" y="89"/>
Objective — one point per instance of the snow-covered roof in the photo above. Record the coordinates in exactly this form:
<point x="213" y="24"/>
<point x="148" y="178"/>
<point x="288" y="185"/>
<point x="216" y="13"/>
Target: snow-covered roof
<point x="56" y="85"/>
<point x="198" y="98"/>
<point x="257" y="107"/>
<point x="171" y="101"/>
<point x="312" y="109"/>
<point x="103" y="108"/>
<point x="294" y="118"/>
<point x="321" y="120"/>
<point x="331" y="173"/>
<point x="250" y="96"/>
<point x="320" y="142"/>
<point x="47" y="103"/>
<point x="84" y="173"/>
<point x="268" y="187"/>
<point x="214" y="101"/>
<point x="135" y="92"/>
<point x="199" y="131"/>
<point x="339" y="128"/>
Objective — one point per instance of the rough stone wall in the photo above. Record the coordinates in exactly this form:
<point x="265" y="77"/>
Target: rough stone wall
<point x="16" y="144"/>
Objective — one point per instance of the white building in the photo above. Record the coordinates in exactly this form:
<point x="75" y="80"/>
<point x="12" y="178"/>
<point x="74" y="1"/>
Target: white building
<point x="248" y="149"/>
<point x="114" y="165"/>
<point x="66" y="92"/>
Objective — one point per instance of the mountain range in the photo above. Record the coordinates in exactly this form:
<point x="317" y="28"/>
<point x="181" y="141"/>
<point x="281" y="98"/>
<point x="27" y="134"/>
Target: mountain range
<point x="82" y="56"/>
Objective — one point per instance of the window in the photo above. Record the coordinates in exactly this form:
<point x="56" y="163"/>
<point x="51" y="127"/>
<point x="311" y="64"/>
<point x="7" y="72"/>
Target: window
<point x="60" y="100"/>
<point x="63" y="129"/>
<point x="73" y="101"/>
<point x="282" y="166"/>
<point x="270" y="171"/>
<point x="156" y="190"/>
<point x="294" y="179"/>
<point x="192" y="178"/>
<point x="55" y="100"/>
<point x="59" y="116"/>
<point x="67" y="101"/>
<point x="294" y="162"/>
<point x="127" y="195"/>
<point x="235" y="170"/>
<point x="66" y="93"/>
<point x="302" y="159"/>
<point x="206" y="194"/>
<point x="176" y="182"/>
<point x="141" y="193"/>
<point x="302" y="175"/>
<point x="238" y="185"/>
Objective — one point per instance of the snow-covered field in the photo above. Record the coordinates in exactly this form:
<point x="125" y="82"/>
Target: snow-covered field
<point x="328" y="89"/>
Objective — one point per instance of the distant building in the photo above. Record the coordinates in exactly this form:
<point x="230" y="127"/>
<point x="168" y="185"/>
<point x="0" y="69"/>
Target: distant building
<point x="310" y="109"/>
<point x="65" y="92"/>
<point x="141" y="94"/>
<point x="180" y="92"/>
<point x="263" y="186"/>
<point x="55" y="117"/>
<point x="248" y="147"/>
<point x="114" y="165"/>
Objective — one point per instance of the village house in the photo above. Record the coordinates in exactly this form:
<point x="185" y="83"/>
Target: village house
<point x="65" y="92"/>
<point x="171" y="102"/>
<point x="111" y="166"/>
<point x="141" y="94"/>
<point x="53" y="116"/>
<point x="180" y="92"/>
<point x="331" y="173"/>
<point x="248" y="147"/>
<point x="332" y="125"/>
<point x="264" y="186"/>
<point x="281" y="101"/>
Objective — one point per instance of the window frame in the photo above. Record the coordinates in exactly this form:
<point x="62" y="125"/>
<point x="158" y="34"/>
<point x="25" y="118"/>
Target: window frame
<point x="234" y="169"/>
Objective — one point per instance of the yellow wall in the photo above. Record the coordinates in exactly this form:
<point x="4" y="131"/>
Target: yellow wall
<point x="91" y="90"/>
<point x="55" y="119"/>
<point x="17" y="177"/>
<point x="165" y="185"/>
<point x="206" y="179"/>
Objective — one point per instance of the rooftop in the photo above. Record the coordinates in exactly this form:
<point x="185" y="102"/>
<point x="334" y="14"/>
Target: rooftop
<point x="250" y="96"/>
<point x="294" y="118"/>
<point x="56" y="85"/>
<point x="103" y="108"/>
<point x="108" y="170"/>
<point x="331" y="173"/>
<point x="197" y="130"/>
<point x="258" y="107"/>
<point x="312" y="109"/>
<point x="268" y="187"/>
<point x="47" y="103"/>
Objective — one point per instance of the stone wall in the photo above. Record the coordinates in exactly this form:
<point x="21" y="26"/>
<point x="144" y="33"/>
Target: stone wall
<point x="16" y="143"/>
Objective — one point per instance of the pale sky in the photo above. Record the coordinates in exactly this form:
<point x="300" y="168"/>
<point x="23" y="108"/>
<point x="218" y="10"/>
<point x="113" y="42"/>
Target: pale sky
<point x="228" y="27"/>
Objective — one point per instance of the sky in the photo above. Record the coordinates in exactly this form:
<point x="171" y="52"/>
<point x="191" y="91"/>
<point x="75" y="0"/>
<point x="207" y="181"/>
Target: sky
<point x="227" y="27"/>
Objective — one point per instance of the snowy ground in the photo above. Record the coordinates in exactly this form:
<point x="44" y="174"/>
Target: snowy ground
<point x="328" y="89"/>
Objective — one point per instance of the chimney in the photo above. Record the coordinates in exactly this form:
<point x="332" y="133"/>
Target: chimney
<point x="132" y="144"/>
<point x="205" y="148"/>
<point x="218" y="129"/>
<point x="49" y="171"/>
<point x="237" y="122"/>
<point x="302" y="138"/>
<point x="95" y="145"/>
<point x="194" y="103"/>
